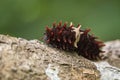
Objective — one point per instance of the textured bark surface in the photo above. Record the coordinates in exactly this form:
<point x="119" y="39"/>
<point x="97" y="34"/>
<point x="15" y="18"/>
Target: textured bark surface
<point x="112" y="53"/>
<point x="21" y="59"/>
<point x="110" y="67"/>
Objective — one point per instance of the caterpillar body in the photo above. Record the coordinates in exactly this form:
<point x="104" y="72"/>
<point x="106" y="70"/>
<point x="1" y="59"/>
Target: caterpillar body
<point x="70" y="38"/>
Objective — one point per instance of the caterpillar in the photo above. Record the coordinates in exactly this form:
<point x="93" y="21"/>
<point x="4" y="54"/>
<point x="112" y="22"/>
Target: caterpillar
<point x="70" y="38"/>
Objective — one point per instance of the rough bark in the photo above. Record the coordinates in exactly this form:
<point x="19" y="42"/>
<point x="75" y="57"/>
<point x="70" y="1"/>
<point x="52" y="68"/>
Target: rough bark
<point x="110" y="67"/>
<point x="21" y="59"/>
<point x="112" y="53"/>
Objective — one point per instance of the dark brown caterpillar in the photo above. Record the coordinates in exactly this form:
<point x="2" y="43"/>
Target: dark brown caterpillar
<point x="70" y="38"/>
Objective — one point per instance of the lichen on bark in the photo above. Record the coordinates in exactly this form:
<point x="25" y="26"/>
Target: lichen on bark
<point x="21" y="59"/>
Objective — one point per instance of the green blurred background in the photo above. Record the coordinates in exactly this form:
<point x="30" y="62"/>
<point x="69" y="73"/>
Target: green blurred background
<point x="28" y="18"/>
